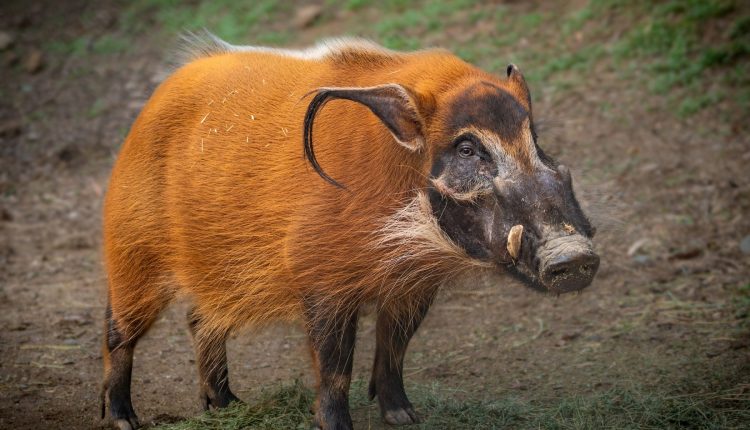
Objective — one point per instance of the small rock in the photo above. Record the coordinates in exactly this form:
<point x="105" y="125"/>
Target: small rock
<point x="10" y="128"/>
<point x="686" y="254"/>
<point x="33" y="134"/>
<point x="166" y="419"/>
<point x="740" y="343"/>
<point x="6" y="252"/>
<point x="76" y="319"/>
<point x="637" y="245"/>
<point x="135" y="105"/>
<point x="650" y="167"/>
<point x="5" y="215"/>
<point x="306" y="15"/>
<point x="34" y="61"/>
<point x="68" y="154"/>
<point x="10" y="59"/>
<point x="745" y="244"/>
<point x="714" y="353"/>
<point x="642" y="259"/>
<point x="6" y="40"/>
<point x="159" y="76"/>
<point x="106" y="19"/>
<point x="22" y="21"/>
<point x="78" y="242"/>
<point x="21" y="326"/>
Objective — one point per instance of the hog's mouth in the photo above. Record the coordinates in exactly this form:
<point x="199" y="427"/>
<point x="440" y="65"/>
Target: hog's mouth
<point x="559" y="265"/>
<point x="527" y="277"/>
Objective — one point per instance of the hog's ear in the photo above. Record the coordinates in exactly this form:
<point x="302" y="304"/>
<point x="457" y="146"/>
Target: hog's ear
<point x="392" y="103"/>
<point x="395" y="106"/>
<point x="518" y="85"/>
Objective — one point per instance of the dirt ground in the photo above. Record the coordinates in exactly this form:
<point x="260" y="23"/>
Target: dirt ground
<point x="670" y="196"/>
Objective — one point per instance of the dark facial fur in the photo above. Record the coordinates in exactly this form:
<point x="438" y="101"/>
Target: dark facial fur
<point x="493" y="175"/>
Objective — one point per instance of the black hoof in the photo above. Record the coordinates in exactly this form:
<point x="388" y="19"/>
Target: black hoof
<point x="394" y="405"/>
<point x="123" y="415"/>
<point x="401" y="416"/>
<point x="219" y="402"/>
<point x="342" y="421"/>
<point x="130" y="423"/>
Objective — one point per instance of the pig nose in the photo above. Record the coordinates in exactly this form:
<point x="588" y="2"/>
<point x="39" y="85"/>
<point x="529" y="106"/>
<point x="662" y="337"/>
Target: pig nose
<point x="570" y="271"/>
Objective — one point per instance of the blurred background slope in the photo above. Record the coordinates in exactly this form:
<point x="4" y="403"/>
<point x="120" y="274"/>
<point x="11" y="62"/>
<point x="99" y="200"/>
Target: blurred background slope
<point x="648" y="102"/>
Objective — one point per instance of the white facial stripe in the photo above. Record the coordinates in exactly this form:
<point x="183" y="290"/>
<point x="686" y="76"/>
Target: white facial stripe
<point x="528" y="138"/>
<point x="505" y="161"/>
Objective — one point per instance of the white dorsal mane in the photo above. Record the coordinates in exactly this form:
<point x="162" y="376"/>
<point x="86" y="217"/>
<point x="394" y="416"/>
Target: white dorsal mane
<point x="206" y="44"/>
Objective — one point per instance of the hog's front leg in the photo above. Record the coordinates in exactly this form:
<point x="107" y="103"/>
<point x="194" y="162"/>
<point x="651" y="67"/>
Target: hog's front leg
<point x="332" y="338"/>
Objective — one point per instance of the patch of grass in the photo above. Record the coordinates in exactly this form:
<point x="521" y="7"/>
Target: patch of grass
<point x="530" y="21"/>
<point x="694" y="52"/>
<point x="402" y="28"/>
<point x="670" y="43"/>
<point x="76" y="47"/>
<point x="695" y="103"/>
<point x="401" y="43"/>
<point x="742" y="304"/>
<point x="96" y="109"/>
<point x="691" y="53"/>
<point x="579" y="60"/>
<point x="273" y="38"/>
<point x="85" y="45"/>
<point x="576" y="20"/>
<point x="228" y="19"/>
<point x="110" y="44"/>
<point x="399" y="23"/>
<point x="357" y="4"/>
<point x="288" y="406"/>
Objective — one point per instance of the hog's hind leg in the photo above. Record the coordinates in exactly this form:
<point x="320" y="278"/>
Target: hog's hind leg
<point x="120" y="338"/>
<point x="211" y="356"/>
<point x="395" y="328"/>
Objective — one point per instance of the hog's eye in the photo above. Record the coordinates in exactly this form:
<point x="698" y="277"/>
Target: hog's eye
<point x="466" y="149"/>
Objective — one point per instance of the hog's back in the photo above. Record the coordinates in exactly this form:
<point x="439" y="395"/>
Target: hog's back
<point x="207" y="183"/>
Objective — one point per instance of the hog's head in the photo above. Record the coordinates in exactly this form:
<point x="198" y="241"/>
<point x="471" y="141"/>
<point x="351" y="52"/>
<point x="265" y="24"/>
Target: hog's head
<point x="491" y="188"/>
<point x="498" y="195"/>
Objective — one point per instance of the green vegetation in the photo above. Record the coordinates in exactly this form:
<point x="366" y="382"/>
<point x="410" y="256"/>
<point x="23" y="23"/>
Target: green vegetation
<point x="288" y="407"/>
<point x="96" y="109"/>
<point x="228" y="19"/>
<point x="671" y="40"/>
<point x="742" y="299"/>
<point x="110" y="44"/>
<point x="106" y="44"/>
<point x="690" y="53"/>
<point x="77" y="47"/>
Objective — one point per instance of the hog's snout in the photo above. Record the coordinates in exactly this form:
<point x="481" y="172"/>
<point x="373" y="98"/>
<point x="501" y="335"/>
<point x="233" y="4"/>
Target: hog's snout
<point x="567" y="263"/>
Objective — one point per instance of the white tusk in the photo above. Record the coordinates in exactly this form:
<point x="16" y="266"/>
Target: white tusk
<point x="514" y="240"/>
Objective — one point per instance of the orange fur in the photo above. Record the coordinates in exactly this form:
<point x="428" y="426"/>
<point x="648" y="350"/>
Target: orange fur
<point x="211" y="197"/>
